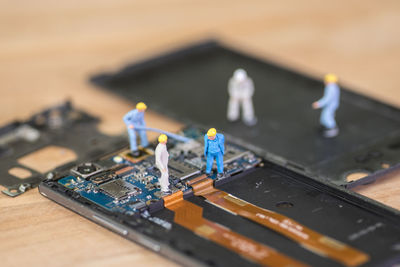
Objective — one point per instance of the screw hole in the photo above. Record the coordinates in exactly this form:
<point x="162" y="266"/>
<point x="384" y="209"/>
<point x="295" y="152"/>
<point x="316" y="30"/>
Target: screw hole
<point x="284" y="204"/>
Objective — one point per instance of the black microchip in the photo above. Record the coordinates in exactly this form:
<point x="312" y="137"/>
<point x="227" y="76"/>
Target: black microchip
<point x="119" y="189"/>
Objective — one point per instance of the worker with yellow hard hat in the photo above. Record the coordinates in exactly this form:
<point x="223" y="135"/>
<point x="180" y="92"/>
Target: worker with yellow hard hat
<point x="214" y="149"/>
<point x="132" y="119"/>
<point x="329" y="104"/>
<point x="161" y="155"/>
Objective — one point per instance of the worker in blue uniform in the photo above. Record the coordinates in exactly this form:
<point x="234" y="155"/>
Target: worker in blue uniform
<point x="329" y="104"/>
<point x="132" y="119"/>
<point x="214" y="149"/>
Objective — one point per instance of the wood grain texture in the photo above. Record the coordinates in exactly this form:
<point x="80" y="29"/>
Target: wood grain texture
<point x="49" y="48"/>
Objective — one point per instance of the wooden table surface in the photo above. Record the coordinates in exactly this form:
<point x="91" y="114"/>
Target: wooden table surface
<point x="48" y="49"/>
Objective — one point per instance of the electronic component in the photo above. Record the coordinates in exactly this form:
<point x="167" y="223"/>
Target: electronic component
<point x="137" y="205"/>
<point x="119" y="189"/>
<point x="118" y="159"/>
<point x="188" y="147"/>
<point x="181" y="170"/>
<point x="86" y="169"/>
<point x="102" y="177"/>
<point x="143" y="153"/>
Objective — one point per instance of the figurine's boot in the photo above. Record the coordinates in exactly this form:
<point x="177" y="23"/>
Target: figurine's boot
<point x="136" y="153"/>
<point x="330" y="132"/>
<point x="248" y="112"/>
<point x="250" y="122"/>
<point x="166" y="192"/>
<point x="164" y="182"/>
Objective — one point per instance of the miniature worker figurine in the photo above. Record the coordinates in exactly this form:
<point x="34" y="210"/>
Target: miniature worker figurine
<point x="162" y="162"/>
<point x="241" y="90"/>
<point x="214" y="148"/>
<point x="329" y="104"/>
<point x="132" y="119"/>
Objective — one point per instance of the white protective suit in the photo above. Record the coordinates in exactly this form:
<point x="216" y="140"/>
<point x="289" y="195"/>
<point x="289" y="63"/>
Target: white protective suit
<point x="162" y="164"/>
<point x="241" y="90"/>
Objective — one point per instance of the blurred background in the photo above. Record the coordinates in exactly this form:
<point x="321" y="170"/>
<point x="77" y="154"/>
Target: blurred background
<point x="48" y="50"/>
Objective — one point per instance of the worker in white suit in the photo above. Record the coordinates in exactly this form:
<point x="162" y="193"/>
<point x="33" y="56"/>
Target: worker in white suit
<point x="162" y="162"/>
<point x="241" y="90"/>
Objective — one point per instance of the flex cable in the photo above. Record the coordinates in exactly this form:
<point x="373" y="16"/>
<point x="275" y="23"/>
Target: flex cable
<point x="309" y="239"/>
<point x="190" y="216"/>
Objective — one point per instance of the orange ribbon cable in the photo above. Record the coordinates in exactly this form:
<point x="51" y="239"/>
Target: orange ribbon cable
<point x="190" y="216"/>
<point x="309" y="239"/>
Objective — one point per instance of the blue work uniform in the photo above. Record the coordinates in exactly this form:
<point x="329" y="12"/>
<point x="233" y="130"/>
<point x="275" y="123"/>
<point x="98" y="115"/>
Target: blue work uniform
<point x="329" y="104"/>
<point x="136" y="118"/>
<point x="214" y="149"/>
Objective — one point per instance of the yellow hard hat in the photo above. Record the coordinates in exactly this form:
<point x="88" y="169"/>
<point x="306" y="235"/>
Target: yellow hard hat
<point x="212" y="132"/>
<point x="330" y="78"/>
<point x="141" y="106"/>
<point x="162" y="138"/>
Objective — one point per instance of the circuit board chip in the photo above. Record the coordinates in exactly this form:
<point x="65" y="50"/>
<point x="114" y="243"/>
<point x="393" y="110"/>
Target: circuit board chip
<point x="181" y="170"/>
<point x="119" y="189"/>
<point x="103" y="177"/>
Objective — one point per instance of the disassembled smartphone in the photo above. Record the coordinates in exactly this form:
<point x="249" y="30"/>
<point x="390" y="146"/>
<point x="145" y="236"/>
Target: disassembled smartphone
<point x="277" y="206"/>
<point x="259" y="213"/>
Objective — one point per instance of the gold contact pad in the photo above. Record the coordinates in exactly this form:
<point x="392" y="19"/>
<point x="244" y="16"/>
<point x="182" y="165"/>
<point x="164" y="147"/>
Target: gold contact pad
<point x="127" y="156"/>
<point x="309" y="239"/>
<point x="190" y="216"/>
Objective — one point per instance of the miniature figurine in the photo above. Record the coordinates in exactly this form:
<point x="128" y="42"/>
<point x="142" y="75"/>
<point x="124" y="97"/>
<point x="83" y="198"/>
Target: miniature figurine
<point x="241" y="90"/>
<point x="329" y="103"/>
<point x="214" y="148"/>
<point x="162" y="162"/>
<point x="132" y="119"/>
